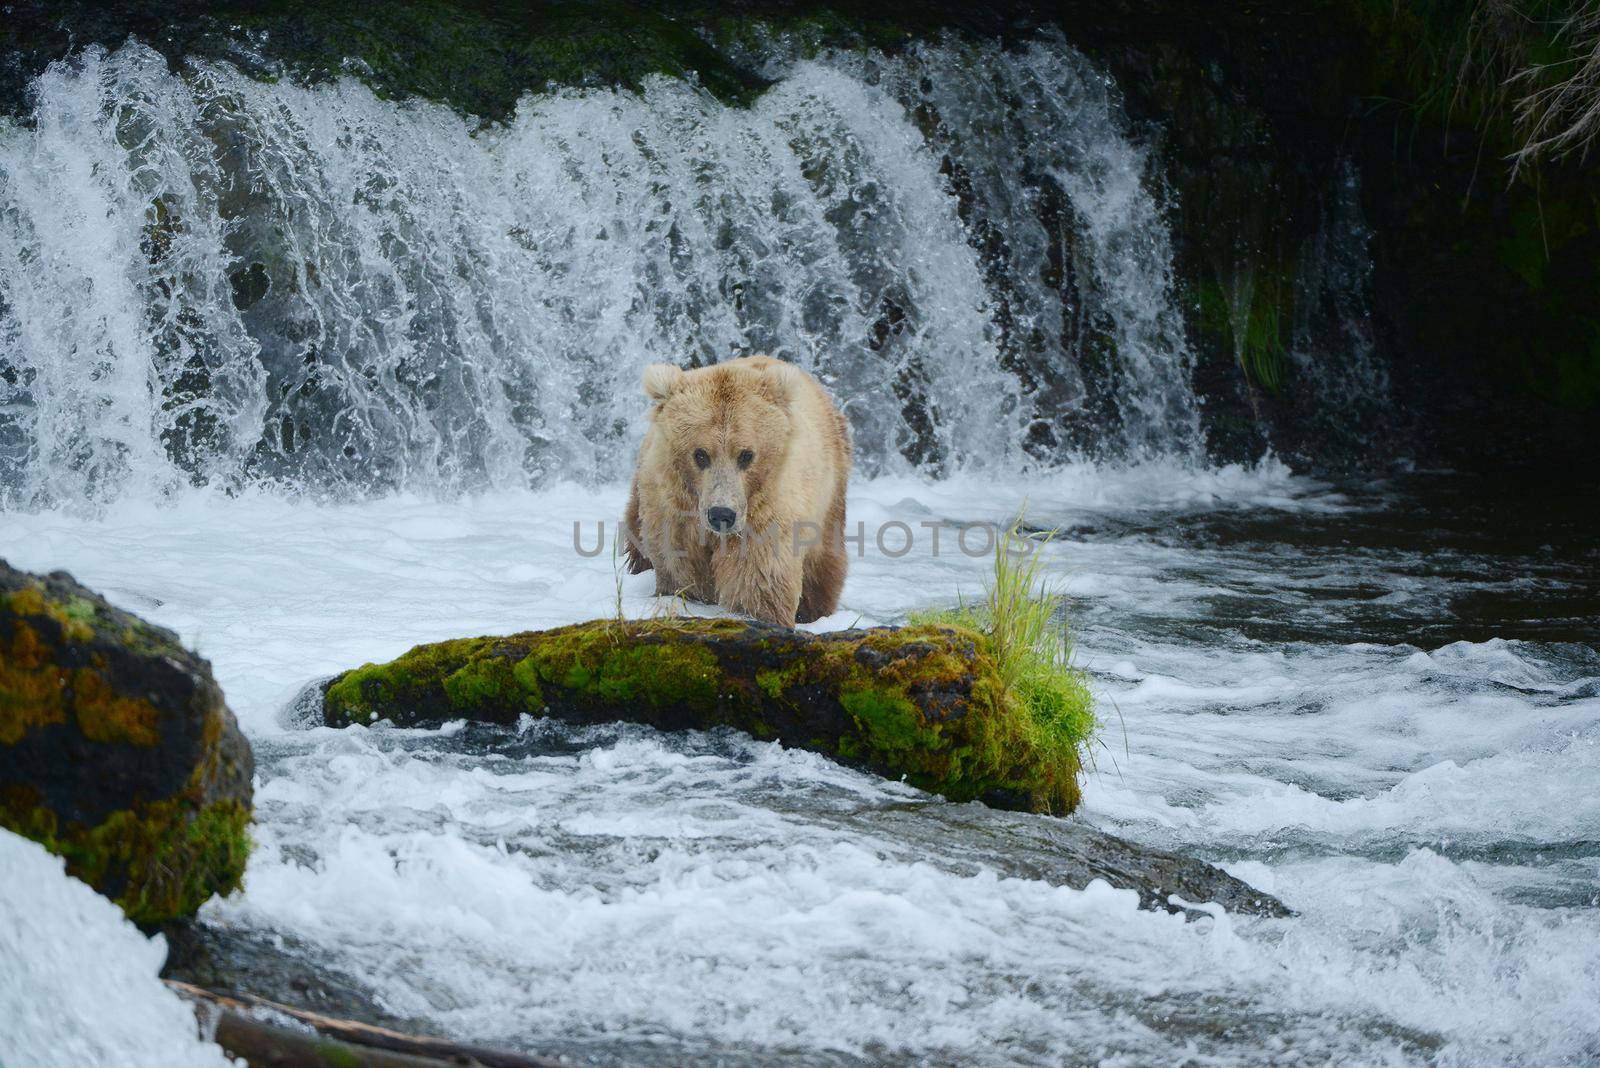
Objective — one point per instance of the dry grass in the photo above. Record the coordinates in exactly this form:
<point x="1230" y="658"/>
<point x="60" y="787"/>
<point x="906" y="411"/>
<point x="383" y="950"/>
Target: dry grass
<point x="1558" y="110"/>
<point x="1527" y="69"/>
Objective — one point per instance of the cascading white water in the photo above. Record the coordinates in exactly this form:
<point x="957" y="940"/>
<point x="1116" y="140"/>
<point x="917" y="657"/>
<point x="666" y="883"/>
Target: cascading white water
<point x="1082" y="256"/>
<point x="207" y="278"/>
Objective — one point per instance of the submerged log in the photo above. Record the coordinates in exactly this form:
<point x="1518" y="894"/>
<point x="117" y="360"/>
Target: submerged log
<point x="116" y="750"/>
<point x="265" y="1035"/>
<point x="926" y="703"/>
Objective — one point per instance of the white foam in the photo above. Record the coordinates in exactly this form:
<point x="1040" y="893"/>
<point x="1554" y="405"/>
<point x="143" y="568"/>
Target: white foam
<point x="613" y="888"/>
<point x="78" y="982"/>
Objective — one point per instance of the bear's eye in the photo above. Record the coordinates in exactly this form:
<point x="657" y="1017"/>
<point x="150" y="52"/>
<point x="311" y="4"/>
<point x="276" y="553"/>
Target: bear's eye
<point x="746" y="458"/>
<point x="702" y="459"/>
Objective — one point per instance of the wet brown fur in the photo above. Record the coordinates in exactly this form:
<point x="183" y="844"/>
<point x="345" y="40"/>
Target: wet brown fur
<point x="792" y="492"/>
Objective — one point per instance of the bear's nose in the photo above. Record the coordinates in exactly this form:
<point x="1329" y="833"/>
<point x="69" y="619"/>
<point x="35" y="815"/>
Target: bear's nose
<point x="720" y="518"/>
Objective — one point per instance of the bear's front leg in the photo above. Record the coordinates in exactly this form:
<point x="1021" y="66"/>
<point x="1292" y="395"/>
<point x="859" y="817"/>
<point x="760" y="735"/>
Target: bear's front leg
<point x="760" y="577"/>
<point x="681" y="554"/>
<point x="633" y="546"/>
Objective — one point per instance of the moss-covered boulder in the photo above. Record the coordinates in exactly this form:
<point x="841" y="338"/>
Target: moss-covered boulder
<point x="926" y="703"/>
<point x="117" y="751"/>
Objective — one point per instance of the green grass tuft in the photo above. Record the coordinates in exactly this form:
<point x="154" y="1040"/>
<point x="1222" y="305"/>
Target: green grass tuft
<point x="1021" y="616"/>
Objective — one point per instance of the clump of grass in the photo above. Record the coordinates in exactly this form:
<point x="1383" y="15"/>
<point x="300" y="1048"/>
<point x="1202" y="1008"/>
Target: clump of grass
<point x="1524" y="73"/>
<point x="1256" y="322"/>
<point x="1021" y="617"/>
<point x="1559" y="113"/>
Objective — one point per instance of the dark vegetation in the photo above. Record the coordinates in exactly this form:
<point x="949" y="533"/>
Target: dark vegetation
<point x="1458" y="130"/>
<point x="1485" y="232"/>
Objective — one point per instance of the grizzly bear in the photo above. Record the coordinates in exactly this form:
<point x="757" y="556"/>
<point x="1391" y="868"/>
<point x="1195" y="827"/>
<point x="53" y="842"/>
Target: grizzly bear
<point x="738" y="497"/>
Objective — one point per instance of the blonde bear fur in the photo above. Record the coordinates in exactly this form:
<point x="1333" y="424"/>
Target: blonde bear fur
<point x="738" y="497"/>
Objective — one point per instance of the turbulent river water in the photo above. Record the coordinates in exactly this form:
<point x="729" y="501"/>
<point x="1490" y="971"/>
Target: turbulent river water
<point x="1379" y="701"/>
<point x="311" y="376"/>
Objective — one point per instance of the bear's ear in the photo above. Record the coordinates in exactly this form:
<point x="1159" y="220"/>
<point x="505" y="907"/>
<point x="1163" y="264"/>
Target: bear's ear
<point x="661" y="380"/>
<point x="778" y="382"/>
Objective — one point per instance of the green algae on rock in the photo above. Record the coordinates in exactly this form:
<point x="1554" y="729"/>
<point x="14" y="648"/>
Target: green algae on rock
<point x="927" y="704"/>
<point x="117" y="751"/>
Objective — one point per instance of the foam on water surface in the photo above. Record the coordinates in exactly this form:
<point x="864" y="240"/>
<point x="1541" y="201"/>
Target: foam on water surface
<point x="619" y="894"/>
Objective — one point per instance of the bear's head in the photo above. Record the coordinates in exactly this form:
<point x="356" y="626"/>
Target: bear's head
<point x="727" y="430"/>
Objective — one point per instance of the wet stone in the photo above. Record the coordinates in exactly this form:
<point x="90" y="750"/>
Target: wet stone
<point x="117" y="751"/>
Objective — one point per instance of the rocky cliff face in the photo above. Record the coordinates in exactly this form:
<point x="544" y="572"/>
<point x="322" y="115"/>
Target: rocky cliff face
<point x="1284" y="126"/>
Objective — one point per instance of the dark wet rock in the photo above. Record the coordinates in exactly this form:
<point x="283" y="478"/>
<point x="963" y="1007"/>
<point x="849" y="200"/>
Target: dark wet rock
<point x="237" y="962"/>
<point x="1069" y="852"/>
<point x="117" y="751"/>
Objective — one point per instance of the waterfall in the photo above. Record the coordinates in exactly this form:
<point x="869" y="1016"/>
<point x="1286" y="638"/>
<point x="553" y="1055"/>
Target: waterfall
<point x="209" y="279"/>
<point x="1346" y="392"/>
<point x="1080" y="256"/>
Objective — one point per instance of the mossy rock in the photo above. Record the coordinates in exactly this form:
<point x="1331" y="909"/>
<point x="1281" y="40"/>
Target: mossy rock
<point x="117" y="751"/>
<point x="925" y="704"/>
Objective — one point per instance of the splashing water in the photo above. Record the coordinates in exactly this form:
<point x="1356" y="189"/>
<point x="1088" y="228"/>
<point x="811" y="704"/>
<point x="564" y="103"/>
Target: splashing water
<point x="1333" y="347"/>
<point x="1393" y="728"/>
<point x="1084" y="258"/>
<point x="208" y="279"/>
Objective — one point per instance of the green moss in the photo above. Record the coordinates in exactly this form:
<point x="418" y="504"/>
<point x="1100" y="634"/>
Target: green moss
<point x="927" y="703"/>
<point x="491" y="683"/>
<point x="891" y="722"/>
<point x="995" y="747"/>
<point x="507" y="676"/>
<point x="36" y="691"/>
<point x="69" y="615"/>
<point x="32" y="689"/>
<point x="368" y="686"/>
<point x="994" y="750"/>
<point x="775" y="681"/>
<point x="611" y="665"/>
<point x="81" y="609"/>
<point x="1039" y="712"/>
<point x="81" y="619"/>
<point x="414" y="681"/>
<point x="158" y="861"/>
<point x="106" y="716"/>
